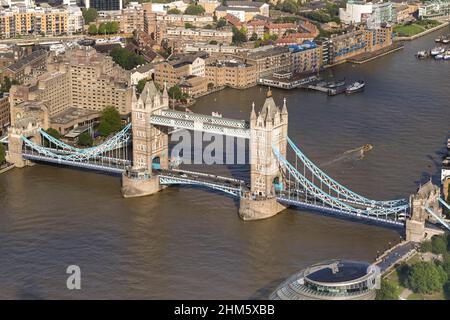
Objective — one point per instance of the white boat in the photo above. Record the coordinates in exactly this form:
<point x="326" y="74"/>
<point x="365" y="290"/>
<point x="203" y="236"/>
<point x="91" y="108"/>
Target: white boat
<point x="216" y="114"/>
<point x="422" y="54"/>
<point x="356" y="86"/>
<point x="447" y="56"/>
<point x="439" y="57"/>
<point x="446" y="41"/>
<point x="437" y="50"/>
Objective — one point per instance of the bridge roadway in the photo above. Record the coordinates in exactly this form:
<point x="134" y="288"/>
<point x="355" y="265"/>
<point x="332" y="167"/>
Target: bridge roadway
<point x="228" y="185"/>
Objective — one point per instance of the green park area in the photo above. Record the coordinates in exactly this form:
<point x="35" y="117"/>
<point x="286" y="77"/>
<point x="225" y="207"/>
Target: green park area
<point x="425" y="276"/>
<point x="412" y="29"/>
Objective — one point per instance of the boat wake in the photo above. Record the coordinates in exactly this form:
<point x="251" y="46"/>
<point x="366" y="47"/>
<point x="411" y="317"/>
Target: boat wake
<point x="349" y="156"/>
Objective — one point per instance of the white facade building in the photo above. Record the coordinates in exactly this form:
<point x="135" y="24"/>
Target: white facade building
<point x="355" y="12"/>
<point x="164" y="7"/>
<point x="75" y="22"/>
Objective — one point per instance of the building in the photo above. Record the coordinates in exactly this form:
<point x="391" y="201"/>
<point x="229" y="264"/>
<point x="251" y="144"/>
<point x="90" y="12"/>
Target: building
<point x="104" y="5"/>
<point x="256" y="26"/>
<point x="405" y="12"/>
<point x="434" y="9"/>
<point x="132" y="18"/>
<point x="212" y="48"/>
<point x="145" y="71"/>
<point x="193" y="86"/>
<point x="269" y="59"/>
<point x="356" y="11"/>
<point x="43" y="20"/>
<point x="195" y="35"/>
<point x="231" y="72"/>
<point x="4" y="113"/>
<point x="162" y="8"/>
<point x="209" y="5"/>
<point x="79" y="82"/>
<point x="331" y="280"/>
<point x="180" y="20"/>
<point x="26" y="67"/>
<point x="382" y="13"/>
<point x="179" y="67"/>
<point x="244" y="10"/>
<point x="357" y="41"/>
<point x="306" y="58"/>
<point x="280" y="29"/>
<point x="75" y="22"/>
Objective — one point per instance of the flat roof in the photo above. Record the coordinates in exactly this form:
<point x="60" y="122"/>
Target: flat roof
<point x="339" y="271"/>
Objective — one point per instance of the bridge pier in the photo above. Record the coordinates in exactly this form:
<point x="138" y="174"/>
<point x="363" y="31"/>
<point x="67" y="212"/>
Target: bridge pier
<point x="258" y="208"/>
<point x="139" y="184"/>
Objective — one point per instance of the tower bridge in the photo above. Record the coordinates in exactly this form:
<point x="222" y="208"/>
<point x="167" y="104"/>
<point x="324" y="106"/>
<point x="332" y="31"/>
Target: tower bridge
<point x="275" y="183"/>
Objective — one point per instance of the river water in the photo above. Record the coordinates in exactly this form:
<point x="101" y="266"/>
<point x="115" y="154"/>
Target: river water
<point x="188" y="243"/>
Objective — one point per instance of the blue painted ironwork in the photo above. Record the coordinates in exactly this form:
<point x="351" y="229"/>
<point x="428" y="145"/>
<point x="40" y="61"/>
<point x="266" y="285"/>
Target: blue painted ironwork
<point x="339" y="188"/>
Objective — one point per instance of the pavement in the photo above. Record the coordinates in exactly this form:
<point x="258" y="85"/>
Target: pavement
<point x="396" y="255"/>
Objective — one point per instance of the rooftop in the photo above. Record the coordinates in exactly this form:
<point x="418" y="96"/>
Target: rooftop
<point x="26" y="60"/>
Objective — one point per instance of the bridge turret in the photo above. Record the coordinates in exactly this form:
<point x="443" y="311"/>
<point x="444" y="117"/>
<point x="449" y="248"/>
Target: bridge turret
<point x="267" y="129"/>
<point x="150" y="143"/>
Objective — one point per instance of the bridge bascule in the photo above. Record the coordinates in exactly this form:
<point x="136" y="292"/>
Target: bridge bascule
<point x="275" y="182"/>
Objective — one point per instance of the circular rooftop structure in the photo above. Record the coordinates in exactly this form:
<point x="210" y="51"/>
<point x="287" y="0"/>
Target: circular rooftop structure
<point x="331" y="280"/>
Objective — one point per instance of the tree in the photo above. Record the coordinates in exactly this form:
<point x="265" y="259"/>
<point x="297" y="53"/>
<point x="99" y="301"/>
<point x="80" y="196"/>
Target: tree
<point x="213" y="42"/>
<point x="141" y="84"/>
<point x="439" y="244"/>
<point x="174" y="11"/>
<point x="254" y="37"/>
<point x="194" y="9"/>
<point x="426" y="246"/>
<point x="447" y="290"/>
<point x="112" y="27"/>
<point x="90" y="15"/>
<point x="189" y="25"/>
<point x="110" y="121"/>
<point x="221" y="23"/>
<point x="125" y="58"/>
<point x="85" y="139"/>
<point x="239" y="36"/>
<point x="92" y="29"/>
<point x="446" y="264"/>
<point x="289" y="6"/>
<point x="7" y="83"/>
<point x="2" y="153"/>
<point x="426" y="277"/>
<point x="175" y="93"/>
<point x="102" y="28"/>
<point x="54" y="133"/>
<point x="387" y="291"/>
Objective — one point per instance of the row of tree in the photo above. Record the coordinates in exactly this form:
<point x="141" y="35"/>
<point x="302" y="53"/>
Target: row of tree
<point x="109" y="27"/>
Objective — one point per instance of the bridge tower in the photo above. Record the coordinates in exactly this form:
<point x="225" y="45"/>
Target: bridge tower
<point x="150" y="143"/>
<point x="267" y="129"/>
<point x="426" y="197"/>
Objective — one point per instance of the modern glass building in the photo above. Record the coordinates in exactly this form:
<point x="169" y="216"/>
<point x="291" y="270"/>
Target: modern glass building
<point x="331" y="280"/>
<point x="104" y="5"/>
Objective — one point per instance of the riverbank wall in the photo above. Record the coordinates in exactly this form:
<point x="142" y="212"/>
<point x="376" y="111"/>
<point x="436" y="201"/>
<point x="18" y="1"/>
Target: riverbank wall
<point x="444" y="24"/>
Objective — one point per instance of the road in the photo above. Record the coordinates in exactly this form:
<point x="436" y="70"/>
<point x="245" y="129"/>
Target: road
<point x="395" y="255"/>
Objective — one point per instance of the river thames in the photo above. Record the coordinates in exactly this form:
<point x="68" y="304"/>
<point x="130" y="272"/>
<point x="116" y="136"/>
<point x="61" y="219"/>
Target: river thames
<point x="186" y="243"/>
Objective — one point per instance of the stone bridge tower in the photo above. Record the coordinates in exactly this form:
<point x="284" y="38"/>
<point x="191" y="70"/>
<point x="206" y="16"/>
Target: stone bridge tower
<point x="150" y="143"/>
<point x="427" y="196"/>
<point x="267" y="129"/>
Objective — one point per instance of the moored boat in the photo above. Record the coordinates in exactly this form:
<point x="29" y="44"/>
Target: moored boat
<point x="336" y="84"/>
<point x="439" y="57"/>
<point x="422" y="54"/>
<point x="356" y="86"/>
<point x="437" y="50"/>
